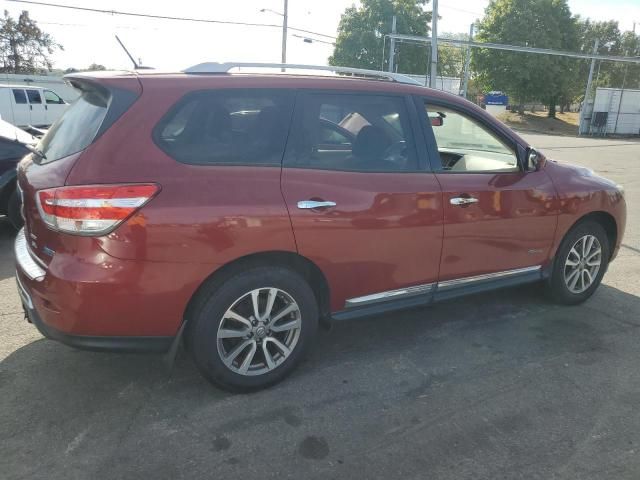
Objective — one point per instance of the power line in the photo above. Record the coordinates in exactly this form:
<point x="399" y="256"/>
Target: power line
<point x="167" y="17"/>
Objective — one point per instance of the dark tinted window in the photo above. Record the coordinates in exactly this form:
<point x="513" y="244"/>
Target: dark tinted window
<point x="227" y="127"/>
<point x="34" y="96"/>
<point x="77" y="127"/>
<point x="20" y="96"/>
<point x="353" y="132"/>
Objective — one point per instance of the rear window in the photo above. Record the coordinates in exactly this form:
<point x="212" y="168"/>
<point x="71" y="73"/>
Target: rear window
<point x="77" y="128"/>
<point x="232" y="127"/>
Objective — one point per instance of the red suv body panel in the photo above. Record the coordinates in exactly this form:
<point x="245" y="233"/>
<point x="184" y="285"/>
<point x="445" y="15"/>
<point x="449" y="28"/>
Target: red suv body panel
<point x="138" y="280"/>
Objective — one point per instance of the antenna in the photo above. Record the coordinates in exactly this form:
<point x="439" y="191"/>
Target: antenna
<point x="136" y="65"/>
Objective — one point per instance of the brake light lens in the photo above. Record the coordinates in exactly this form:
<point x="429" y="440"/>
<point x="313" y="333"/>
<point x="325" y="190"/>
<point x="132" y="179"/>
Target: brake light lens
<point x="92" y="209"/>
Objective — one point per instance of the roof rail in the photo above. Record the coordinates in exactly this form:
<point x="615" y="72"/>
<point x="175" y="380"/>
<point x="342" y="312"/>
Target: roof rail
<point x="214" y="67"/>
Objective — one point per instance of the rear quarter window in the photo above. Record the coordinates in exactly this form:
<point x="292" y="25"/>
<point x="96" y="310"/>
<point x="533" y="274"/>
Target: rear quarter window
<point x="77" y="127"/>
<point x="232" y="127"/>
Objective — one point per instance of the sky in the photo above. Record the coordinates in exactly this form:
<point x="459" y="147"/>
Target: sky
<point x="174" y="45"/>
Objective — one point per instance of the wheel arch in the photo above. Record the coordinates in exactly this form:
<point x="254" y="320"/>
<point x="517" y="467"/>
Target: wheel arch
<point x="301" y="265"/>
<point x="606" y="220"/>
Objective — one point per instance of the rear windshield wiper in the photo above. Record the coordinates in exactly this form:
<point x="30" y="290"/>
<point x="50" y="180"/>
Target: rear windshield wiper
<point x="33" y="150"/>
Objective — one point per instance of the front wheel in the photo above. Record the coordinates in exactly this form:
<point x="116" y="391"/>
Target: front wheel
<point x="252" y="330"/>
<point x="580" y="264"/>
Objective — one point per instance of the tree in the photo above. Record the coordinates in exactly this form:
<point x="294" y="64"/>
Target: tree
<point x="361" y="42"/>
<point x="611" y="42"/>
<point x="24" y="48"/>
<point x="95" y="67"/>
<point x="533" y="23"/>
<point x="450" y="57"/>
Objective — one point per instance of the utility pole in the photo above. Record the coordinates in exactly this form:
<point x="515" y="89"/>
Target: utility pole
<point x="392" y="45"/>
<point x="581" y="129"/>
<point x="285" y="18"/>
<point x="434" y="45"/>
<point x="467" y="61"/>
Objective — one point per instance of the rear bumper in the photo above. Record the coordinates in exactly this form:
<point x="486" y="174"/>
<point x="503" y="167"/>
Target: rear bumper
<point x="87" y="342"/>
<point x="88" y="299"/>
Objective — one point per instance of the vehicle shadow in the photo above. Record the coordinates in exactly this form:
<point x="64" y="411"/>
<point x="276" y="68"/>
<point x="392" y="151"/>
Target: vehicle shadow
<point x="52" y="391"/>
<point x="48" y="370"/>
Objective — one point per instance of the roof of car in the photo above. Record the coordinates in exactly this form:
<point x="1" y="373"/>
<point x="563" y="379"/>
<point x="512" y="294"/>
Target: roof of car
<point x="306" y="79"/>
<point x="19" y="86"/>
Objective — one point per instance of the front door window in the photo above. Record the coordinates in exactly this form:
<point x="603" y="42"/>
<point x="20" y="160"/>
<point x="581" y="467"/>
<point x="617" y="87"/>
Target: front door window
<point x="465" y="145"/>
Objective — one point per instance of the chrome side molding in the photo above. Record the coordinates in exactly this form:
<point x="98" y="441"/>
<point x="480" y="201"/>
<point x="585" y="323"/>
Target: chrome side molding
<point x="432" y="287"/>
<point x="458" y="282"/>
<point x="389" y="295"/>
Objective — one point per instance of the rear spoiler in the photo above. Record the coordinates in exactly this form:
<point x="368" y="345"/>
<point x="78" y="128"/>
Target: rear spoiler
<point x="118" y="90"/>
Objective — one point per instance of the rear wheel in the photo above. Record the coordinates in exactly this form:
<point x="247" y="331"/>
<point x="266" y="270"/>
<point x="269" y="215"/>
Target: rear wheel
<point x="252" y="330"/>
<point x="580" y="264"/>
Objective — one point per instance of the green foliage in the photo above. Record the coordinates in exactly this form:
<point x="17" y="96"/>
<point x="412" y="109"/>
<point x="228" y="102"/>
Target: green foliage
<point x="24" y="48"/>
<point x="451" y="58"/>
<point x="612" y="42"/>
<point x="533" y="23"/>
<point x="360" y="41"/>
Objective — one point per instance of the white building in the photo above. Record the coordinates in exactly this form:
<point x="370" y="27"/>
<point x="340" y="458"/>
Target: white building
<point x="613" y="111"/>
<point x="50" y="82"/>
<point x="448" y="84"/>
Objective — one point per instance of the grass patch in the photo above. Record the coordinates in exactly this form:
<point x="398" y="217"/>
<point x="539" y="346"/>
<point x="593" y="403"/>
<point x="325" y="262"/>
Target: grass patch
<point x="538" y="122"/>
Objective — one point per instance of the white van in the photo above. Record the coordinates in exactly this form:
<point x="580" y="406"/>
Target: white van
<point x="36" y="106"/>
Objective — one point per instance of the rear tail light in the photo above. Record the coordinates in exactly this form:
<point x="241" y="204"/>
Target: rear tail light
<point x="92" y="209"/>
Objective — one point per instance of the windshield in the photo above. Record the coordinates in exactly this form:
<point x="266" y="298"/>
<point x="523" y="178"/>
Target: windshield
<point x="77" y="128"/>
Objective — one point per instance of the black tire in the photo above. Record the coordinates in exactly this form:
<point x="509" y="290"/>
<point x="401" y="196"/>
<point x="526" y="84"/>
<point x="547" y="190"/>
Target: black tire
<point x="214" y="301"/>
<point x="13" y="210"/>
<point x="557" y="285"/>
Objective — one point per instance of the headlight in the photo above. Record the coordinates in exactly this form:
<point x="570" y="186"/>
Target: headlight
<point x="620" y="189"/>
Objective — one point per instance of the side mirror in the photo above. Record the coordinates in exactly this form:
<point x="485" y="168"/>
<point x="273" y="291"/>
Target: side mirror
<point x="437" y="121"/>
<point x="535" y="160"/>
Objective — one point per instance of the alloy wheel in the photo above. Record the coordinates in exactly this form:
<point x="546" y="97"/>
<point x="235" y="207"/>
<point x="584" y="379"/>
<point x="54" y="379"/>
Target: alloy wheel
<point x="582" y="264"/>
<point x="259" y="331"/>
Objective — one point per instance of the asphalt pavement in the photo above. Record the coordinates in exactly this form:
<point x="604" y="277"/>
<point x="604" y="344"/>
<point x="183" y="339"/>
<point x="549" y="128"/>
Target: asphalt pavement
<point x="503" y="385"/>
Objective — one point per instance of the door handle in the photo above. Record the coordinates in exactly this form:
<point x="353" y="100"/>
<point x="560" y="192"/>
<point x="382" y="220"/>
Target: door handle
<point x="461" y="201"/>
<point x="311" y="204"/>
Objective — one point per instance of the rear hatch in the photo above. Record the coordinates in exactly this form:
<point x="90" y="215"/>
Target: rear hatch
<point x="103" y="100"/>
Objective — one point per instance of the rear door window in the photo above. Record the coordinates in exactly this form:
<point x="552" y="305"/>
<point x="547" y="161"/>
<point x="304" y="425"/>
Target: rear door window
<point x="234" y="127"/>
<point x="34" y="96"/>
<point x="19" y="96"/>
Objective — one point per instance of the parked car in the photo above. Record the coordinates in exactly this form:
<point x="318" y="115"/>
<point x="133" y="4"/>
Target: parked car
<point x="14" y="144"/>
<point x="152" y="216"/>
<point x="30" y="106"/>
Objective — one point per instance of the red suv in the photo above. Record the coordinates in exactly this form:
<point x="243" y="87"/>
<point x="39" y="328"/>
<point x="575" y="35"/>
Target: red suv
<point x="239" y="211"/>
